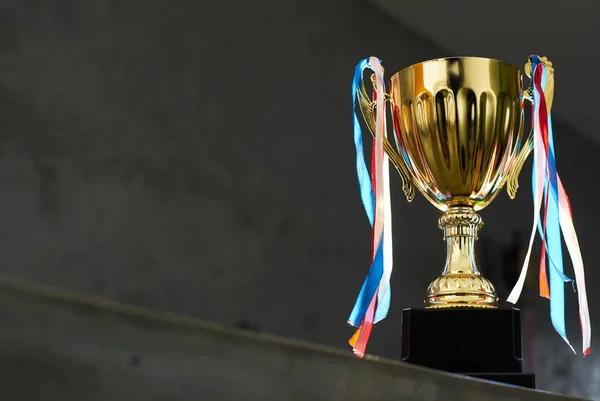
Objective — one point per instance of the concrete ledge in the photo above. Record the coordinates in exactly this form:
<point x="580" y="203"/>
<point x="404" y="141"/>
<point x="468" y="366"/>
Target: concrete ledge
<point x="57" y="345"/>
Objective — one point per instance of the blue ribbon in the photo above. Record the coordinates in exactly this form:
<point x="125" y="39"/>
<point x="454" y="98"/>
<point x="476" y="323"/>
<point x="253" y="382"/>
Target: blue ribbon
<point x="552" y="233"/>
<point x="364" y="179"/>
<point x="373" y="279"/>
<point x="369" y="287"/>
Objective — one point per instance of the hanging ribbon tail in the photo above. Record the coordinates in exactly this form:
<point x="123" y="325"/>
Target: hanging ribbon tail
<point x="368" y="290"/>
<point x="543" y="276"/>
<point x="542" y="231"/>
<point x="544" y="286"/>
<point x="557" y="221"/>
<point x="538" y="179"/>
<point x="372" y="304"/>
<point x="568" y="229"/>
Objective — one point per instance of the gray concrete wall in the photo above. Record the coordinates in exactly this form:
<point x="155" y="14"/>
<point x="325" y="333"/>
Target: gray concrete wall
<point x="59" y="346"/>
<point x="196" y="157"/>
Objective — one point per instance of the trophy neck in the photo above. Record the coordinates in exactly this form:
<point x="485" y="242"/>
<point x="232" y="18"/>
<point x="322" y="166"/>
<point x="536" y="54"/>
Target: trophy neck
<point x="461" y="284"/>
<point x="460" y="225"/>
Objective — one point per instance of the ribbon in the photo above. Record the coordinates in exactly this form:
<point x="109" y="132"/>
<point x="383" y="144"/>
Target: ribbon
<point x="373" y="302"/>
<point x="557" y="217"/>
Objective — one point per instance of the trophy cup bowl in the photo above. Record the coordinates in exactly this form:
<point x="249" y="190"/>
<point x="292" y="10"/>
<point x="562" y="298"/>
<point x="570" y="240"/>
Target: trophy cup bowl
<point x="458" y="126"/>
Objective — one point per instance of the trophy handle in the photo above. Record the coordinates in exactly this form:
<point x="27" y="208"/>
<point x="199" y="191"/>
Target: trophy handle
<point x="513" y="177"/>
<point x="367" y="108"/>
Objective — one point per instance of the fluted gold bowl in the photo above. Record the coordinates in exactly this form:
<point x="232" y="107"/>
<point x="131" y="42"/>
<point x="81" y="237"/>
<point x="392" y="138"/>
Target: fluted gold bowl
<point x="459" y="127"/>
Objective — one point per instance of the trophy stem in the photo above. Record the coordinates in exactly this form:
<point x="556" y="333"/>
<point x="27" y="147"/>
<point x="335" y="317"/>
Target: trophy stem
<point x="461" y="284"/>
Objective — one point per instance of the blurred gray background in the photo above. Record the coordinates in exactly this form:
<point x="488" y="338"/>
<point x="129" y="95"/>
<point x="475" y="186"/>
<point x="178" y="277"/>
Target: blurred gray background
<point x="197" y="158"/>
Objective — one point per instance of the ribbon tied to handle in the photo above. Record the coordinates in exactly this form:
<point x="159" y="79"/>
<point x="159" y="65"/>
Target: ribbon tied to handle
<point x="373" y="302"/>
<point x="552" y="217"/>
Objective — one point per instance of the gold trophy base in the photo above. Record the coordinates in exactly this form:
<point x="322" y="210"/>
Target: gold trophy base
<point x="461" y="284"/>
<point x="461" y="290"/>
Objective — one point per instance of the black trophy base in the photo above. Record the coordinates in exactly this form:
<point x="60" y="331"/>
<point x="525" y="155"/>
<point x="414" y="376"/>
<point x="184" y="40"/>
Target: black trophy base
<point x="482" y="343"/>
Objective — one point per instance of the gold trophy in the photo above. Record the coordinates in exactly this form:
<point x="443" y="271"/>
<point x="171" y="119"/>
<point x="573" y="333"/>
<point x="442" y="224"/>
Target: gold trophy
<point x="458" y="124"/>
<point x="459" y="138"/>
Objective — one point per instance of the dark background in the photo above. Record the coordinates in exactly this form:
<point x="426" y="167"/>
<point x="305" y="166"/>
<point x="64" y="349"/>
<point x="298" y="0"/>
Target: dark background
<point x="197" y="158"/>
